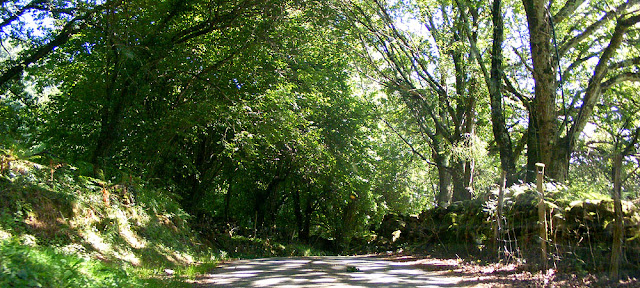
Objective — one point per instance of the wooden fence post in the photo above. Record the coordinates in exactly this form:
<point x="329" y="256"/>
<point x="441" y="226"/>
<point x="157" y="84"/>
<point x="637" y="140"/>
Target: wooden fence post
<point x="542" y="218"/>
<point x="618" y="228"/>
<point x="498" y="229"/>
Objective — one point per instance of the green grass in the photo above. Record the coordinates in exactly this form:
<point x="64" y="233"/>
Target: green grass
<point x="36" y="266"/>
<point x="60" y="233"/>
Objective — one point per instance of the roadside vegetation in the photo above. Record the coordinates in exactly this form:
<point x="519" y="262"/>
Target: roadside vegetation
<point x="141" y="142"/>
<point x="59" y="228"/>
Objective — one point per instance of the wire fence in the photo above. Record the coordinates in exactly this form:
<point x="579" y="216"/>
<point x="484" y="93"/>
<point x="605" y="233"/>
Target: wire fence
<point x="580" y="234"/>
<point x="579" y="237"/>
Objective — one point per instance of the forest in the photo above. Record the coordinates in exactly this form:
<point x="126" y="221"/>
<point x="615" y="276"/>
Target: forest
<point x="190" y="131"/>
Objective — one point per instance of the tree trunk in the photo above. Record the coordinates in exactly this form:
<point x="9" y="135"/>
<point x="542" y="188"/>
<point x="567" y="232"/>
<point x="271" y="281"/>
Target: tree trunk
<point x="469" y="167"/>
<point x="470" y="131"/>
<point x="498" y="232"/>
<point x="260" y="207"/>
<point x="304" y="229"/>
<point x="543" y="109"/>
<point x="343" y="236"/>
<point x="500" y="132"/>
<point x="266" y="203"/>
<point x="461" y="189"/>
<point x="560" y="162"/>
<point x="306" y="224"/>
<point x="445" y="191"/>
<point x="297" y="212"/>
<point x="302" y="212"/>
<point x="533" y="153"/>
<point x="227" y="198"/>
<point x="111" y="109"/>
<point x="108" y="131"/>
<point x="197" y="191"/>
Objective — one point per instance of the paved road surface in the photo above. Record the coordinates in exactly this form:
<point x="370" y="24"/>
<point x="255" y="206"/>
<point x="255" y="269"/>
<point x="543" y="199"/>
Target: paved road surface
<point x="351" y="271"/>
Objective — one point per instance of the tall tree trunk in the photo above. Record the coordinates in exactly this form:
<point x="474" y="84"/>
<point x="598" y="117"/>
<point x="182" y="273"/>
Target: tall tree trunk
<point x="462" y="173"/>
<point x="543" y="109"/>
<point x="111" y="115"/>
<point x="260" y="210"/>
<point x="500" y="132"/>
<point x="197" y="191"/>
<point x="469" y="125"/>
<point x="266" y="203"/>
<point x="343" y="236"/>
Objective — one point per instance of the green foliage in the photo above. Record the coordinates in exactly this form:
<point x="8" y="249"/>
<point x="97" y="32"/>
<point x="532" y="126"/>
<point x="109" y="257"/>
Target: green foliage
<point x="17" y="121"/>
<point x="35" y="266"/>
<point x="585" y="189"/>
<point x="69" y="229"/>
<point x="255" y="108"/>
<point x="249" y="248"/>
<point x="279" y="120"/>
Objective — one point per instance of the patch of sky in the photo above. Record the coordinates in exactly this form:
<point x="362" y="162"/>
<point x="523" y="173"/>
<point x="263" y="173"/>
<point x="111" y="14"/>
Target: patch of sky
<point x="34" y="23"/>
<point x="237" y="83"/>
<point x="88" y="47"/>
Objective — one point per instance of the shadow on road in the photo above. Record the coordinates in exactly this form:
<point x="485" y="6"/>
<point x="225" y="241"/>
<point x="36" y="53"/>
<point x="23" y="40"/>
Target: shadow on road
<point x="356" y="271"/>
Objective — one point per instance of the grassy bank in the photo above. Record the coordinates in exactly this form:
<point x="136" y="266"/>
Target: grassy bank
<point x="60" y="228"/>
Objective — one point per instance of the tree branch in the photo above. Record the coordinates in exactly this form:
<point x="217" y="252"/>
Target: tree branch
<point x="627" y="150"/>
<point x="569" y="7"/>
<point x="625" y="63"/>
<point x="573" y="41"/>
<point x="409" y="144"/>
<point x="622" y="77"/>
<point x="594" y="88"/>
<point x="71" y="28"/>
<point x="509" y="87"/>
<point x="32" y="5"/>
<point x="591" y="29"/>
<point x="62" y="38"/>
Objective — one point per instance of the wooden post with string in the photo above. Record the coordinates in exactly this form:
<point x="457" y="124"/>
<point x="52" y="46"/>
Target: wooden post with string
<point x="618" y="228"/>
<point x="498" y="229"/>
<point x="542" y="218"/>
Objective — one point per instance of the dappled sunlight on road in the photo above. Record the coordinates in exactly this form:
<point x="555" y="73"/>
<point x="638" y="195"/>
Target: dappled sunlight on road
<point x="334" y="271"/>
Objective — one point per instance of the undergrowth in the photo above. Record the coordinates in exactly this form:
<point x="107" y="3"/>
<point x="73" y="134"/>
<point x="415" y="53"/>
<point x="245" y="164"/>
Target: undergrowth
<point x="37" y="266"/>
<point x="251" y="248"/>
<point x="61" y="228"/>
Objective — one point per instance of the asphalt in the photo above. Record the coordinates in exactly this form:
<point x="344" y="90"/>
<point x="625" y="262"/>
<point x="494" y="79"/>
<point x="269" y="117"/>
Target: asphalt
<point x="327" y="271"/>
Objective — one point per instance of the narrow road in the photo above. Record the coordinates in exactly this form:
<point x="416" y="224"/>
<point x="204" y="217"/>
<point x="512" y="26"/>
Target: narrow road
<point x="332" y="271"/>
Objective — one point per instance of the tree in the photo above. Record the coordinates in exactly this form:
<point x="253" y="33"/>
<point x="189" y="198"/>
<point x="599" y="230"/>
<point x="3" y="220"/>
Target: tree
<point x="75" y="17"/>
<point x="432" y="77"/>
<point x="494" y="80"/>
<point x="132" y="73"/>
<point x="551" y="140"/>
<point x="243" y="108"/>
